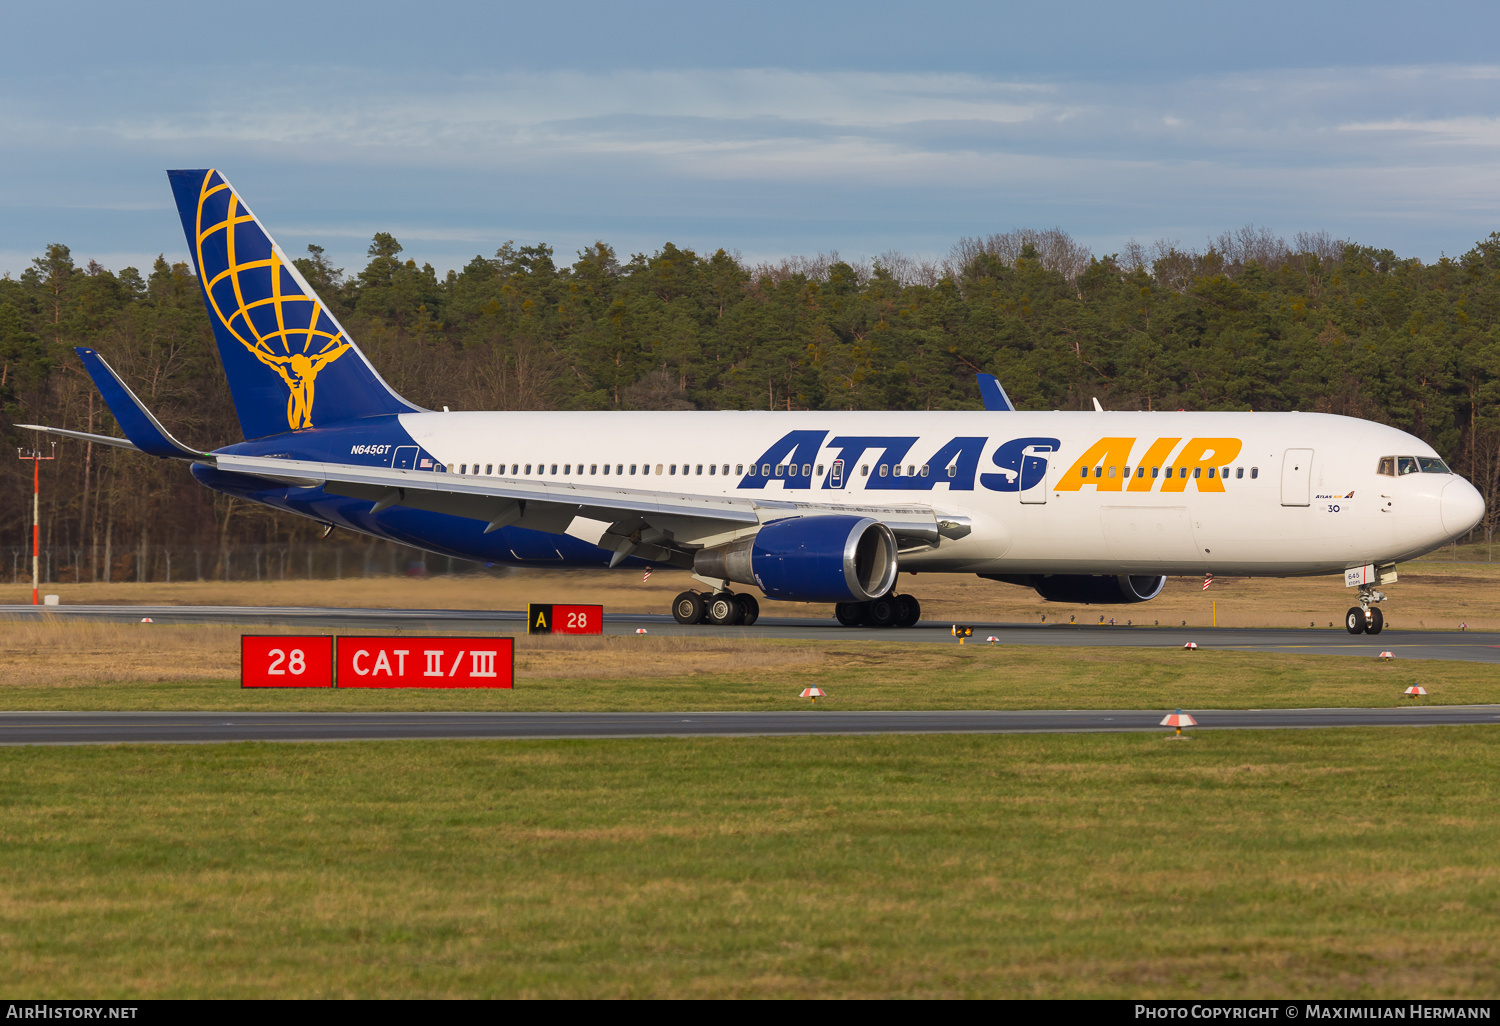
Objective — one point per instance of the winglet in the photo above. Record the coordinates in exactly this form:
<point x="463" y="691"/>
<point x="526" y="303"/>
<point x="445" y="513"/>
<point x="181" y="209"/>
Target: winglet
<point x="135" y="420"/>
<point x="994" y="395"/>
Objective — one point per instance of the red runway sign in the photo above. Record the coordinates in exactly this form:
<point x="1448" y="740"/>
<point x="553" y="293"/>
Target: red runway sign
<point x="285" y="661"/>
<point x="552" y="619"/>
<point x="426" y="662"/>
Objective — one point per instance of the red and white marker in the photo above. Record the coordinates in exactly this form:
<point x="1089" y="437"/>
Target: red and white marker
<point x="1179" y="719"/>
<point x="992" y="639"/>
<point x="640" y="630"/>
<point x="813" y="693"/>
<point x="1191" y="646"/>
<point x="1415" y="690"/>
<point x="147" y="619"/>
<point x="1387" y="656"/>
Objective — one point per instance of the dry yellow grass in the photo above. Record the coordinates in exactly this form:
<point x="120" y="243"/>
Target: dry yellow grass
<point x="1431" y="594"/>
<point x="81" y="653"/>
<point x="54" y="665"/>
<point x="53" y="653"/>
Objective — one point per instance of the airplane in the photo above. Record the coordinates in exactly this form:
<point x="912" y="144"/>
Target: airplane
<point x="1097" y="507"/>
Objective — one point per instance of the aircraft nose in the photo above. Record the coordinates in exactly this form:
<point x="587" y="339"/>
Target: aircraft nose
<point x="1462" y="507"/>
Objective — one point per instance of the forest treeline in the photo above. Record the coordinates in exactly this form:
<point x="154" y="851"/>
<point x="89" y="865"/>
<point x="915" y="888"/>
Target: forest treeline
<point x="1250" y="322"/>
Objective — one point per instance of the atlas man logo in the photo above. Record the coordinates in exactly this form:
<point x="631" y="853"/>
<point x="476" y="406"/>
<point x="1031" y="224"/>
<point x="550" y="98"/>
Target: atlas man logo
<point x="259" y="299"/>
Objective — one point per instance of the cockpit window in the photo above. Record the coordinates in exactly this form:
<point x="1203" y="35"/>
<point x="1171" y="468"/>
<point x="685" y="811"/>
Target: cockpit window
<point x="1406" y="465"/>
<point x="1433" y="465"/>
<point x="1388" y="466"/>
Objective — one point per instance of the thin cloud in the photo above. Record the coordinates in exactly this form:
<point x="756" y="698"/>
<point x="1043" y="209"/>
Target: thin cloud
<point x="774" y="160"/>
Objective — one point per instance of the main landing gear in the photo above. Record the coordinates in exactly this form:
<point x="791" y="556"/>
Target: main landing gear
<point x="887" y="611"/>
<point x="722" y="608"/>
<point x="728" y="609"/>
<point x="1365" y="618"/>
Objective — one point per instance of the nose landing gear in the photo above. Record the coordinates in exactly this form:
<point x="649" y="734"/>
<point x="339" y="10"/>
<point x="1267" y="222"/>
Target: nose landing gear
<point x="1365" y="618"/>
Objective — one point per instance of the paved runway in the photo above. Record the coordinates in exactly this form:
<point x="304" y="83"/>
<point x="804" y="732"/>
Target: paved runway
<point x="76" y="728"/>
<point x="1475" y="646"/>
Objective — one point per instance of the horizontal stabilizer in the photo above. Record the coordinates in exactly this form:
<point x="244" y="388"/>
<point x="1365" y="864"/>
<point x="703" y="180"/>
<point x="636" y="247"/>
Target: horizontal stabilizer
<point x="995" y="399"/>
<point x="82" y="436"/>
<point x="143" y="430"/>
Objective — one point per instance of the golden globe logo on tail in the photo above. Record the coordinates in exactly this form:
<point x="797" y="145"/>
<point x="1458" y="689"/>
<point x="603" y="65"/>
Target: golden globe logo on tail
<point x="281" y="330"/>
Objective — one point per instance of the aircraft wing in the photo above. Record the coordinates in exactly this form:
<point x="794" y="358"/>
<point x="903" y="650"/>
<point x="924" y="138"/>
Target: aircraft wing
<point x="652" y="524"/>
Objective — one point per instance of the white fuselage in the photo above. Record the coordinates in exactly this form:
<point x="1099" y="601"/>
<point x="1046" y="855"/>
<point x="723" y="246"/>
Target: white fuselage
<point x="1288" y="493"/>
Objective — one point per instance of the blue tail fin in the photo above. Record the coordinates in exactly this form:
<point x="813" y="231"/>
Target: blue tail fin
<point x="290" y="363"/>
<point x="993" y="394"/>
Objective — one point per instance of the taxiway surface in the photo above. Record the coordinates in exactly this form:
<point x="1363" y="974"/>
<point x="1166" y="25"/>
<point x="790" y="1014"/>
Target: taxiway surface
<point x="1474" y="646"/>
<point x="81" y="728"/>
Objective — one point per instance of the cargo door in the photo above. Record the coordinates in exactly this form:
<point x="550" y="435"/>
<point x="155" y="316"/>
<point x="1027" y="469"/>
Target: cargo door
<point x="1149" y="537"/>
<point x="1296" y="477"/>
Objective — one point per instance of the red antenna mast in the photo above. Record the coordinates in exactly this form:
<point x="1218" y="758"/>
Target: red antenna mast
<point x="36" y="457"/>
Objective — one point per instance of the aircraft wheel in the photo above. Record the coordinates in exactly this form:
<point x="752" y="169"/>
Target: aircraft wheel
<point x="749" y="609"/>
<point x="687" y="608"/>
<point x="1377" y="622"/>
<point x="724" y="610"/>
<point x="1355" y="620"/>
<point x="849" y="613"/>
<point x="882" y="612"/>
<point x="911" y="610"/>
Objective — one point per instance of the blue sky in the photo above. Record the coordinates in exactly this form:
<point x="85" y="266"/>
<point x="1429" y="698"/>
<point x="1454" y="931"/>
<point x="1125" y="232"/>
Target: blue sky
<point x="769" y="129"/>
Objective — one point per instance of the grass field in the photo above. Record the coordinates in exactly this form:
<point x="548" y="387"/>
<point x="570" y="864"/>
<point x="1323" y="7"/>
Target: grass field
<point x="146" y="666"/>
<point x="1333" y="863"/>
<point x="1429" y="594"/>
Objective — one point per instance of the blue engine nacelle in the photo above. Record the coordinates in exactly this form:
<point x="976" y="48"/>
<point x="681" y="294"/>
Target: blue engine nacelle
<point x="809" y="559"/>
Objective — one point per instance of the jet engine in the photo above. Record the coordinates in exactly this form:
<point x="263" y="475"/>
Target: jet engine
<point x="809" y="559"/>
<point x="1092" y="589"/>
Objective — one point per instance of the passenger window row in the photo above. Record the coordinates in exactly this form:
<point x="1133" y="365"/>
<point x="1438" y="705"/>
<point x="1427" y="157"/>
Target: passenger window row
<point x="698" y="469"/>
<point x="894" y="470"/>
<point x="1390" y="465"/>
<point x="619" y="469"/>
<point x="1166" y="472"/>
